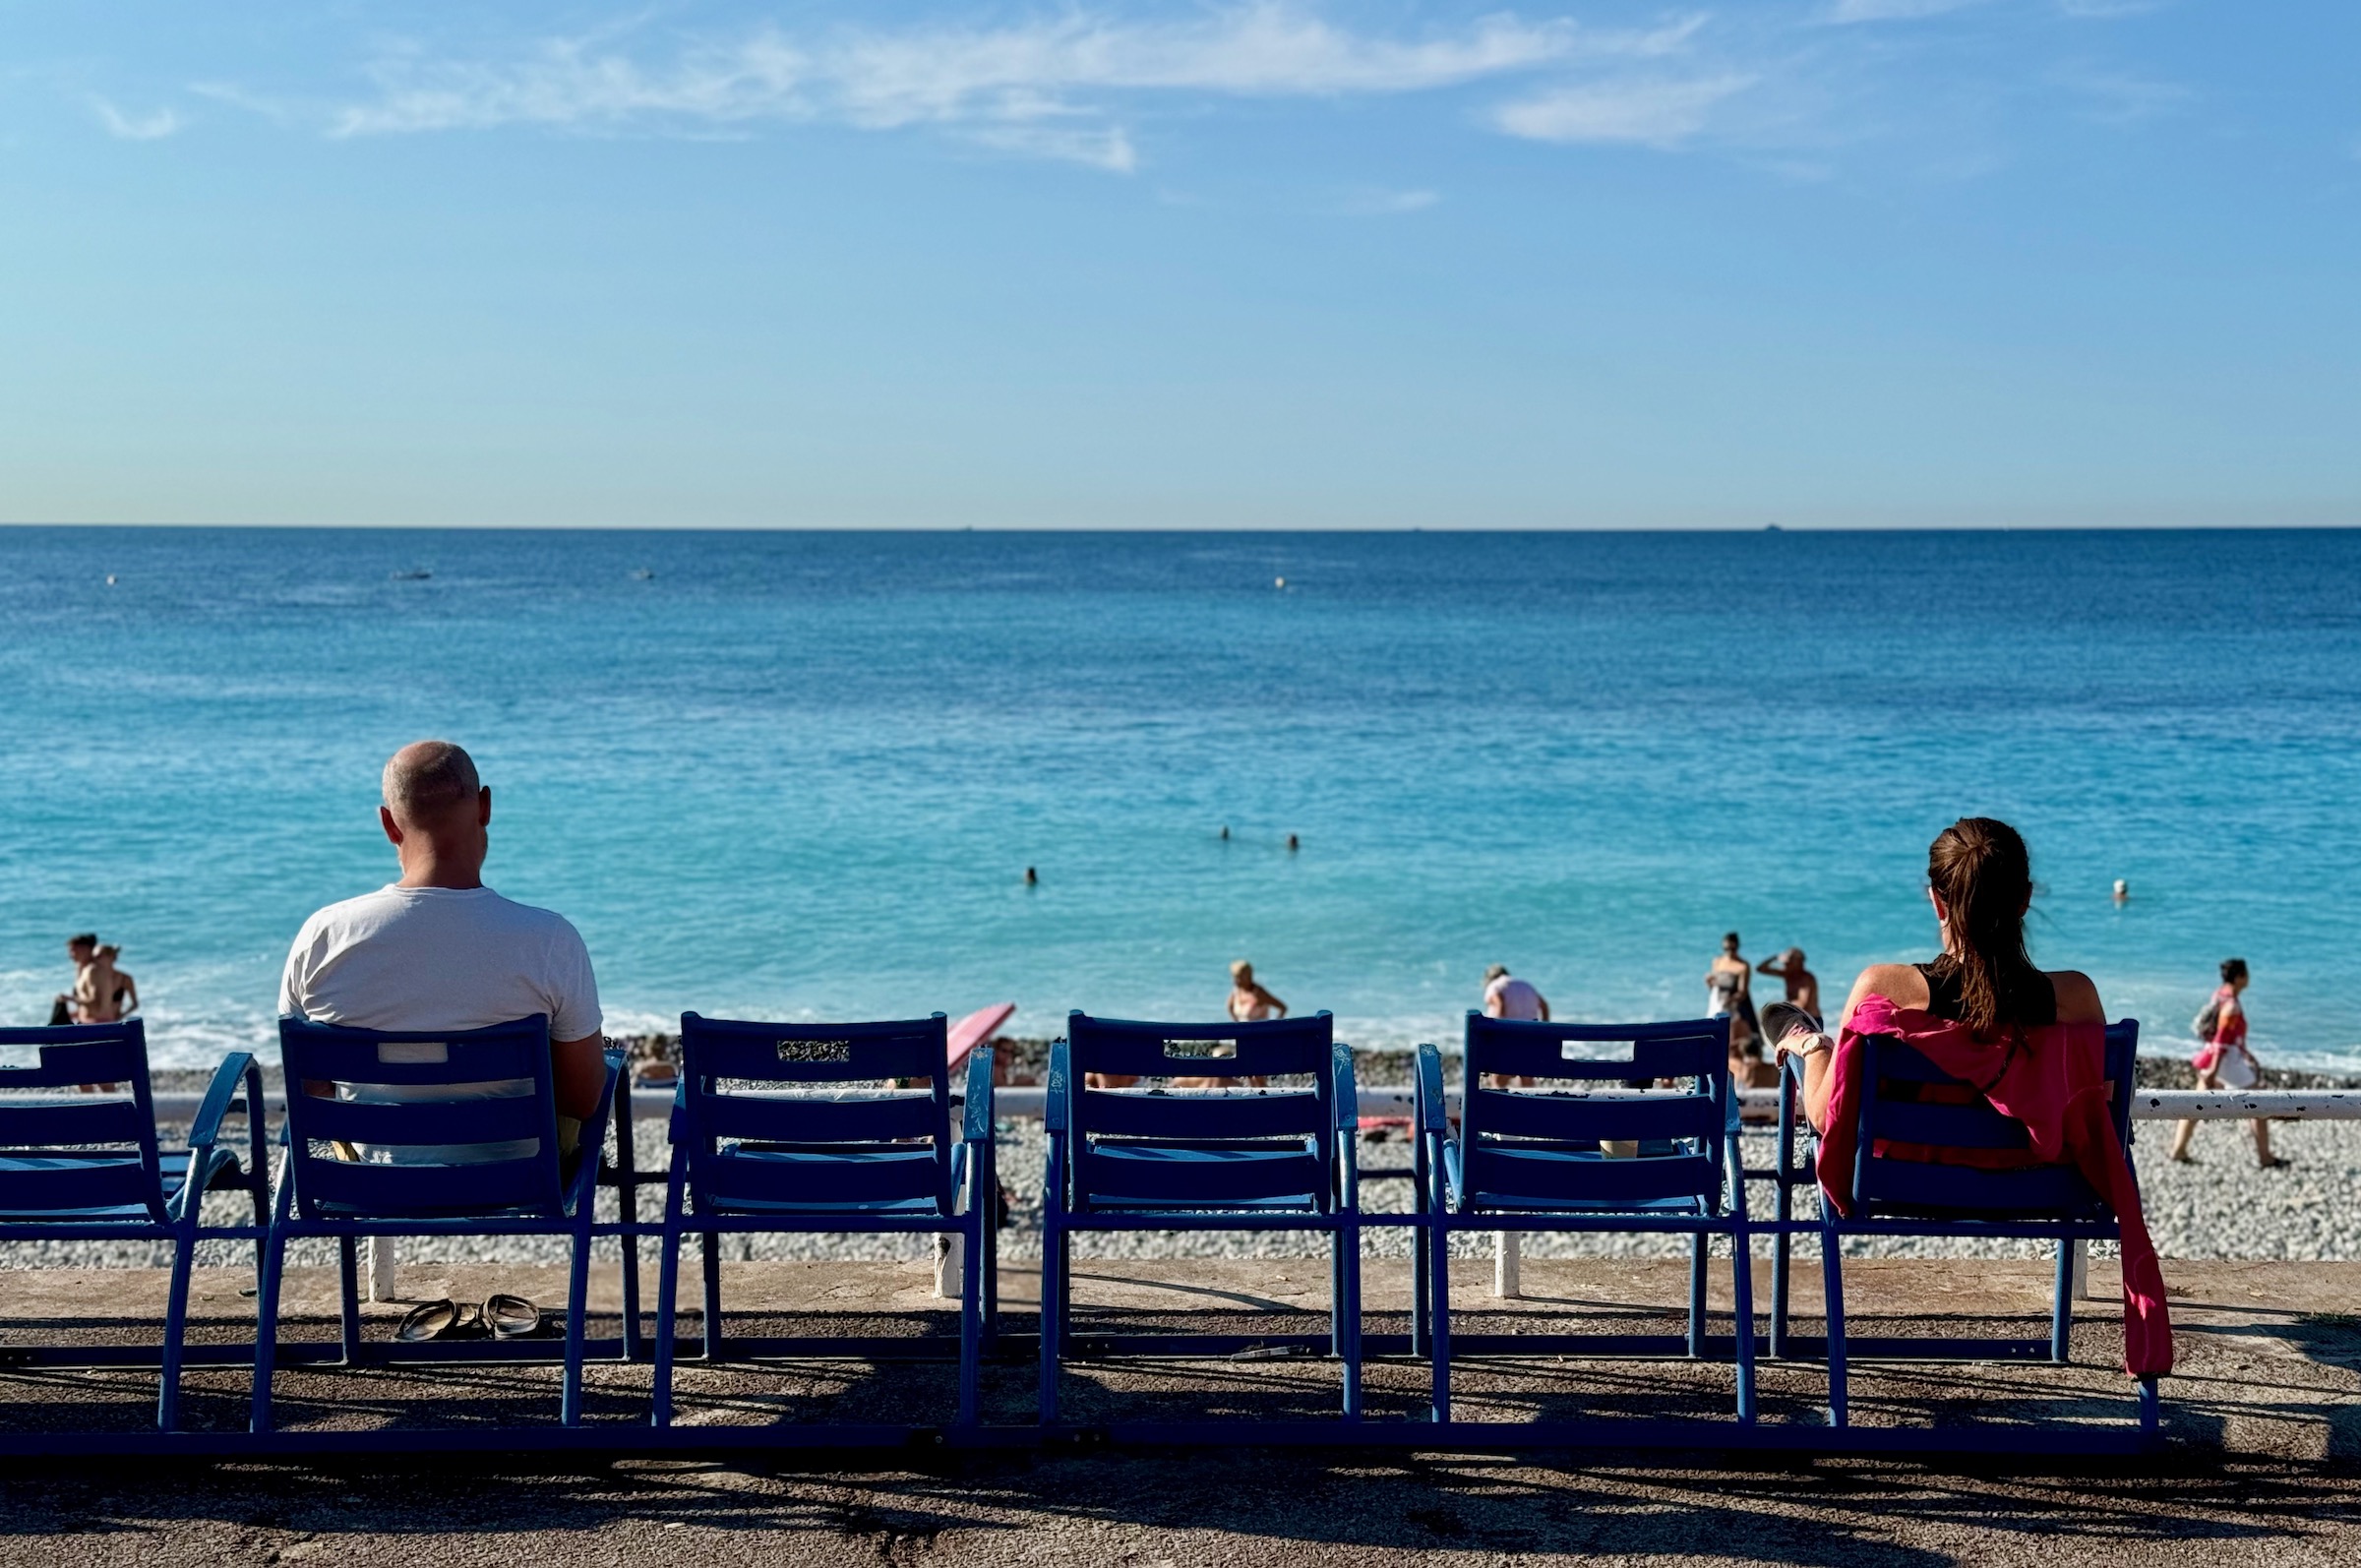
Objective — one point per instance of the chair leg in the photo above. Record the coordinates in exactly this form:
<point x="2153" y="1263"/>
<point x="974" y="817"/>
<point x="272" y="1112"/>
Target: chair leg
<point x="176" y="1326"/>
<point x="1347" y="1310"/>
<point x="635" y="1344"/>
<point x="992" y="1274"/>
<point x="349" y="1285"/>
<point x="1697" y="1296"/>
<point x="971" y="1309"/>
<point x="1779" y="1291"/>
<point x="668" y="1297"/>
<point x="578" y="1311"/>
<point x="710" y="1242"/>
<point x="2150" y="1412"/>
<point x="1743" y="1283"/>
<point x="1438" y="1314"/>
<point x="1832" y="1277"/>
<point x="1422" y="1339"/>
<point x="1053" y="1317"/>
<point x="2061" y="1311"/>
<point x="266" y="1327"/>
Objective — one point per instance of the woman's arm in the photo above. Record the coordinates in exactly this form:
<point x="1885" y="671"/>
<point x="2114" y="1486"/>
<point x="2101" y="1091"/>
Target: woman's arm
<point x="1271" y="1002"/>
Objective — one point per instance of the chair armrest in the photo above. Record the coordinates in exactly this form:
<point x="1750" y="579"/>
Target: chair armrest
<point x="590" y="1152"/>
<point x="206" y="1130"/>
<point x="1734" y="1157"/>
<point x="1431" y="1106"/>
<point x="978" y="1116"/>
<point x="1054" y="1095"/>
<point x="1348" y="1092"/>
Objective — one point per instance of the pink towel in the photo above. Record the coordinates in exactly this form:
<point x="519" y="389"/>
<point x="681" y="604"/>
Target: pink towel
<point x="2057" y="1089"/>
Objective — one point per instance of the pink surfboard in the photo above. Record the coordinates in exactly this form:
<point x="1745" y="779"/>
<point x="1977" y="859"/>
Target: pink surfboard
<point x="974" y="1029"/>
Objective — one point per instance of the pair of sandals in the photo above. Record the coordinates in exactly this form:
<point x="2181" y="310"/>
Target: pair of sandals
<point x="501" y="1317"/>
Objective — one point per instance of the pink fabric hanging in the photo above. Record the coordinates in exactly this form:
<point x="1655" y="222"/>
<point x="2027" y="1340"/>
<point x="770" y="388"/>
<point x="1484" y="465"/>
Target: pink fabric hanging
<point x="2057" y="1090"/>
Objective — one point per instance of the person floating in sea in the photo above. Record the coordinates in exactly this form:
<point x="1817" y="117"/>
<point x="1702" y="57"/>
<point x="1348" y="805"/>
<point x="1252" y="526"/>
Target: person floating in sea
<point x="1032" y="877"/>
<point x="1803" y="986"/>
<point x="2224" y="1061"/>
<point x="1729" y="993"/>
<point x="2123" y="892"/>
<point x="1292" y="844"/>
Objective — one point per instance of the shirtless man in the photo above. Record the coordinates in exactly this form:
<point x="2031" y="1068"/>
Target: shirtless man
<point x="1803" y="986"/>
<point x="103" y="993"/>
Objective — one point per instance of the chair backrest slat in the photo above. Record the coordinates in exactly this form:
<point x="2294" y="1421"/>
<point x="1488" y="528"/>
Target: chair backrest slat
<point x="64" y="1059"/>
<point x="740" y="1081"/>
<point x="1538" y="1115"/>
<point x="1183" y="1113"/>
<point x="1503" y="1176"/>
<point x="58" y="1187"/>
<point x="1133" y="1048"/>
<point x="407" y="1128"/>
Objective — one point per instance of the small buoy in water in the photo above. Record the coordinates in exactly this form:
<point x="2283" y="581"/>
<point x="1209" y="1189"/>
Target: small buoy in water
<point x="2123" y="888"/>
<point x="1291" y="845"/>
<point x="110" y="579"/>
<point x="1032" y="877"/>
<point x="1280" y="583"/>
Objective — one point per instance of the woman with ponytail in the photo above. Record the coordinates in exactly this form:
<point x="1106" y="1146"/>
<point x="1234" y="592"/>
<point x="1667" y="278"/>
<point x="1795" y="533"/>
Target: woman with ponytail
<point x="1981" y="882"/>
<point x="2032" y="1044"/>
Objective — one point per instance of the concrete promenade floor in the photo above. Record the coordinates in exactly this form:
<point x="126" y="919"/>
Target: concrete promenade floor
<point x="2264" y="1414"/>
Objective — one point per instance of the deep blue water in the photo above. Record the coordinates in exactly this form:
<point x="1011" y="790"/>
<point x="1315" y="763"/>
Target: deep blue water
<point x="802" y="774"/>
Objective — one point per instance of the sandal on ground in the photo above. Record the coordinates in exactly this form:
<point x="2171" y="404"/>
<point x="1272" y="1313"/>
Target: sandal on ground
<point x="2274" y="1162"/>
<point x="510" y="1317"/>
<point x="430" y="1321"/>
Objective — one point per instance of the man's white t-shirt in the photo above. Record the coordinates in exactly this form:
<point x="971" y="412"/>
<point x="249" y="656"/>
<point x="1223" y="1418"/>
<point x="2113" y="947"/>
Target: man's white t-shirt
<point x="1514" y="998"/>
<point x="441" y="958"/>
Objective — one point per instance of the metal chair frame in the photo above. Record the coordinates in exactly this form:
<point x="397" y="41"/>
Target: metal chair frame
<point x="882" y="1161"/>
<point x="79" y="1168"/>
<point x="1231" y="1159"/>
<point x="1895" y="1196"/>
<point x="351" y="1200"/>
<point x="1685" y="1178"/>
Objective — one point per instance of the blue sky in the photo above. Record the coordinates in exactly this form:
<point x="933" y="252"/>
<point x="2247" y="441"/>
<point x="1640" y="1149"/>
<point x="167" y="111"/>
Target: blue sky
<point x="1387" y="264"/>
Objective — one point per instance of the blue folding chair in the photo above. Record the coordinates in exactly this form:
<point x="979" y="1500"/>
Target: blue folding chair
<point x="1229" y="1159"/>
<point x="1905" y="1099"/>
<point x="85" y="1167"/>
<point x="756" y="1149"/>
<point x="368" y="1155"/>
<point x="1533" y="1160"/>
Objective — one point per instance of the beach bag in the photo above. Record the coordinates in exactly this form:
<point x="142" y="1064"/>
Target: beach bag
<point x="2235" y="1068"/>
<point x="2208" y="1019"/>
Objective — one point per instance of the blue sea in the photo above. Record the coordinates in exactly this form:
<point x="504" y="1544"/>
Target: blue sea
<point x="802" y="775"/>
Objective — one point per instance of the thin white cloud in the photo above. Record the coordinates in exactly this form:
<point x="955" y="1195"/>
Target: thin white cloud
<point x="1053" y="86"/>
<point x="1385" y="203"/>
<point x="1662" y="112"/>
<point x="136" y="127"/>
<point x="2114" y="97"/>
<point x="1843" y="12"/>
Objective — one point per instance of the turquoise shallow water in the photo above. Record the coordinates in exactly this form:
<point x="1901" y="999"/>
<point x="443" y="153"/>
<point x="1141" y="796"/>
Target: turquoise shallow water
<point x="802" y="774"/>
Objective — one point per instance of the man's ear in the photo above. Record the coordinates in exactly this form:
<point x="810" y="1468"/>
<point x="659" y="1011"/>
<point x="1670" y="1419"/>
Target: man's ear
<point x="385" y="819"/>
<point x="483" y="807"/>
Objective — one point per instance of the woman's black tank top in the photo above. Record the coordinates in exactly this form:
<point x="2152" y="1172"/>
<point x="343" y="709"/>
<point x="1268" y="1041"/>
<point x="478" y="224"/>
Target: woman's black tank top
<point x="2032" y="1001"/>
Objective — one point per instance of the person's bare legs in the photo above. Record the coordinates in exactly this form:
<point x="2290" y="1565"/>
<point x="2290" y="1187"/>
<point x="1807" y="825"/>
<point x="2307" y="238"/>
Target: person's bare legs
<point x="2262" y="1154"/>
<point x="2188" y="1127"/>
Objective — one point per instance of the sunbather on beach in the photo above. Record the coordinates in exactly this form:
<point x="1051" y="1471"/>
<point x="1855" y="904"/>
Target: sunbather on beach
<point x="438" y="949"/>
<point x="1507" y="997"/>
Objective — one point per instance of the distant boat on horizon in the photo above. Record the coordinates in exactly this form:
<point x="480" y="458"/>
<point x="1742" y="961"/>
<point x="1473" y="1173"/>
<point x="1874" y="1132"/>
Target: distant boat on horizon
<point x="411" y="576"/>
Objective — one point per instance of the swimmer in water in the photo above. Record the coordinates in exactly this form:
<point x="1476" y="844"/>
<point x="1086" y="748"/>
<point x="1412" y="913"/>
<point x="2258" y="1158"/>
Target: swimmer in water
<point x="2123" y="892"/>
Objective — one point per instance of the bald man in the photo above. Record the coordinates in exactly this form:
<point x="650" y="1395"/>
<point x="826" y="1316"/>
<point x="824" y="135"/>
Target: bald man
<point x="438" y="949"/>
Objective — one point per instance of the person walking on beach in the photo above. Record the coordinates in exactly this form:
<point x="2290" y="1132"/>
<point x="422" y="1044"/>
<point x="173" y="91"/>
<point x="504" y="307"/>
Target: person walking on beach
<point x="438" y="949"/>
<point x="2226" y="1063"/>
<point x="1803" y="986"/>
